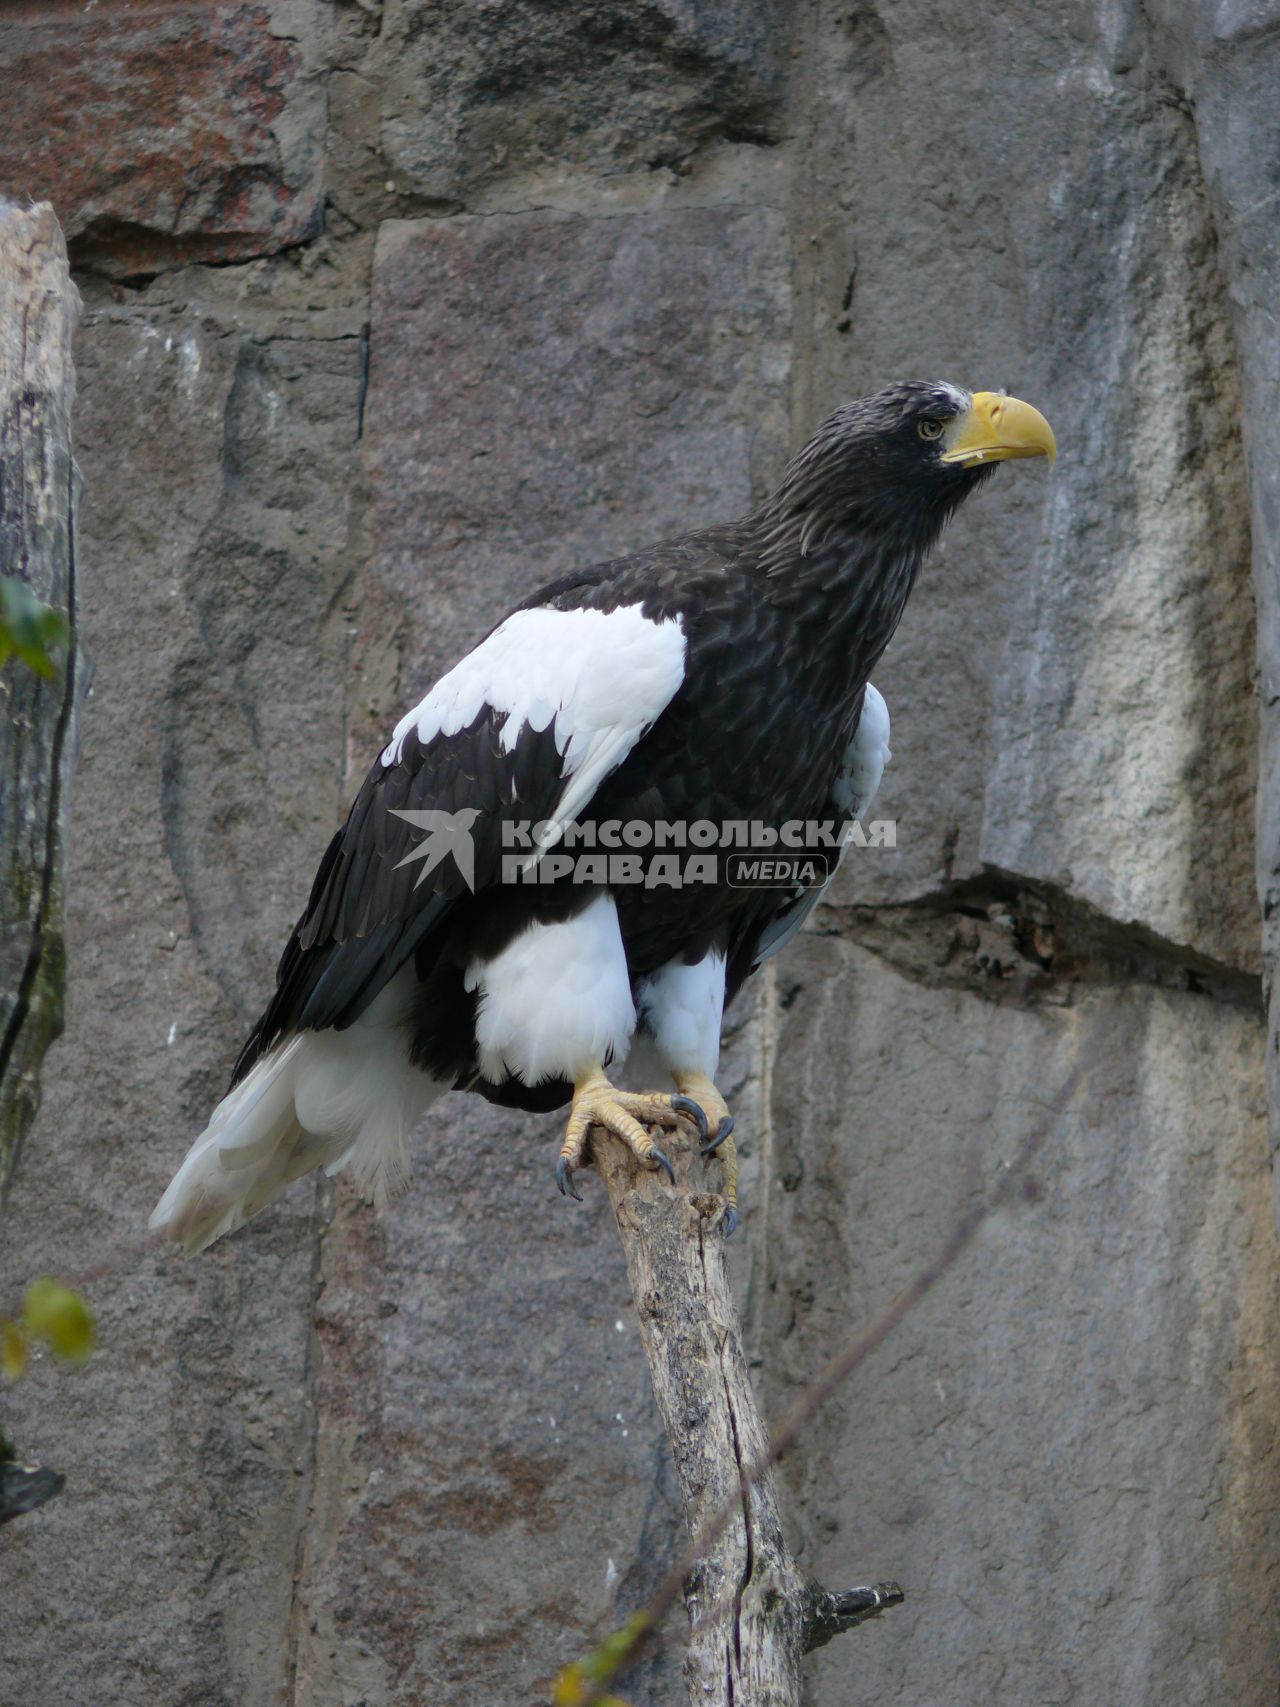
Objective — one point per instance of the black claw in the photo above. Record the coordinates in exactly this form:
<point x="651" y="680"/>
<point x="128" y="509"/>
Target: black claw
<point x="732" y="1221"/>
<point x="564" y="1179"/>
<point x="662" y="1162"/>
<point x="726" y="1130"/>
<point x="686" y="1105"/>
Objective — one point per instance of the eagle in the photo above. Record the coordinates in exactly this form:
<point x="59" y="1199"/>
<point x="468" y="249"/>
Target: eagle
<point x="456" y="936"/>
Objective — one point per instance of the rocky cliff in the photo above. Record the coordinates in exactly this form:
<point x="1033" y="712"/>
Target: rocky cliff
<point x="394" y="311"/>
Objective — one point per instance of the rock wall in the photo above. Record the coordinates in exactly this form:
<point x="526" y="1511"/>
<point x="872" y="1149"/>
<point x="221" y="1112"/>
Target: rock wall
<point x="394" y="312"/>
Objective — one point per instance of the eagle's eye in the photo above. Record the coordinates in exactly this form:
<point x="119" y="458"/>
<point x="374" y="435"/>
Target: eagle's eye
<point x="930" y="429"/>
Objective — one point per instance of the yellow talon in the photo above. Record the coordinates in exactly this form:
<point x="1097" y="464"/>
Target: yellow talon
<point x="704" y="1093"/>
<point x="597" y="1102"/>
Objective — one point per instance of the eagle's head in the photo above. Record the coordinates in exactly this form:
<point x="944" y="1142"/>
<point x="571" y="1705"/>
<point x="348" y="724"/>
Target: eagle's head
<point x="905" y="457"/>
<point x="921" y="431"/>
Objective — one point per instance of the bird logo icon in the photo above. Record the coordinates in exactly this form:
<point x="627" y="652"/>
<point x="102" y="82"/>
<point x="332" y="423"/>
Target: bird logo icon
<point x="447" y="834"/>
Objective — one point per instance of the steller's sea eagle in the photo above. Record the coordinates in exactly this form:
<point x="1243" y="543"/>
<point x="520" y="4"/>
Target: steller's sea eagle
<point x="719" y="678"/>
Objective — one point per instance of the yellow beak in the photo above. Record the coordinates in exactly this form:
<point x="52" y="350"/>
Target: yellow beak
<point x="994" y="428"/>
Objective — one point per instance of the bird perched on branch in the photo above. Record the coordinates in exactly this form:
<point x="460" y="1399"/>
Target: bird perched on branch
<point x="719" y="679"/>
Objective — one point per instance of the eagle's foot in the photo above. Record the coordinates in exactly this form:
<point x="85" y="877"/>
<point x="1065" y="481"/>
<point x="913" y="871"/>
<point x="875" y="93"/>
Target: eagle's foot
<point x="627" y="1114"/>
<point x="718" y="1139"/>
<point x="719" y="1122"/>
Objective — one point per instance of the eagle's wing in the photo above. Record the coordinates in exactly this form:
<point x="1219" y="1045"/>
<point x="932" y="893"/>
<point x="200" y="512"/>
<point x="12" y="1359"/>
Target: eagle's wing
<point x="524" y="730"/>
<point x="779" y="915"/>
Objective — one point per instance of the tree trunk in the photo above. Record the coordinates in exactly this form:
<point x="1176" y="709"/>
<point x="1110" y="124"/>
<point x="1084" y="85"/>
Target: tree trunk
<point x="39" y="308"/>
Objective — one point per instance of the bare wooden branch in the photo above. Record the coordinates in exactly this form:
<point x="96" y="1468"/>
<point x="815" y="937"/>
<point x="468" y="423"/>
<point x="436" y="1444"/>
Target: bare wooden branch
<point x="39" y="307"/>
<point x="747" y="1603"/>
<point x="827" y="1615"/>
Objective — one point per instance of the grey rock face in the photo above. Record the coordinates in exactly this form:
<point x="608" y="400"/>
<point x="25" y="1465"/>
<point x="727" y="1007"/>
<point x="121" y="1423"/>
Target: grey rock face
<point x="1062" y="246"/>
<point x="190" y="549"/>
<point x="477" y="93"/>
<point x="1226" y="58"/>
<point x="411" y="1458"/>
<point x="1091" y="1442"/>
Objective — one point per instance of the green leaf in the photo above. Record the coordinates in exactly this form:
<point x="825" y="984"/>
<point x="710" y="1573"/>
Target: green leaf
<point x="28" y="627"/>
<point x="54" y="1313"/>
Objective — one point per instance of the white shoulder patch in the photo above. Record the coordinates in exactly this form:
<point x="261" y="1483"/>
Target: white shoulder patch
<point x="603" y="676"/>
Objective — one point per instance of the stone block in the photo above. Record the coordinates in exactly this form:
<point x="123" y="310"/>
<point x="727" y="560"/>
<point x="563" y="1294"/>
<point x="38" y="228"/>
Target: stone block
<point x="164" y="134"/>
<point x="477" y="93"/>
<point x="211" y="557"/>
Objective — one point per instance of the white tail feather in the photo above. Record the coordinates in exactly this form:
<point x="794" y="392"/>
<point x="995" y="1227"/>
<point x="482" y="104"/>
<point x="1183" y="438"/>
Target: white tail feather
<point x="329" y="1099"/>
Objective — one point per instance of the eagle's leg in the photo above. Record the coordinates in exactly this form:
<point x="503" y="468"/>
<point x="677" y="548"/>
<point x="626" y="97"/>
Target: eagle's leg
<point x="720" y="1140"/>
<point x="626" y="1114"/>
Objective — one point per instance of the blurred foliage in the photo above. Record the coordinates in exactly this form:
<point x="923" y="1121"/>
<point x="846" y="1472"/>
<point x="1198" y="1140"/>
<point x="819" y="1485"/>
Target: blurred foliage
<point x="29" y="629"/>
<point x="52" y="1314"/>
<point x="580" y="1683"/>
<point x="13" y="1350"/>
<point x="57" y="1316"/>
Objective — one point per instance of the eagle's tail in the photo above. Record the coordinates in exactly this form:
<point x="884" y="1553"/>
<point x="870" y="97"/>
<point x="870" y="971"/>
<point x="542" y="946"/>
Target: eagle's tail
<point x="321" y="1099"/>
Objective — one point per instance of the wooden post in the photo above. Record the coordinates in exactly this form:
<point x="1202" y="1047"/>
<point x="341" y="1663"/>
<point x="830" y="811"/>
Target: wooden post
<point x="752" y="1616"/>
<point x="745" y="1597"/>
<point x="39" y="308"/>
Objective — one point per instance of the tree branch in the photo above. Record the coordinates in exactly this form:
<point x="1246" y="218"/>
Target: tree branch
<point x="751" y="1614"/>
<point x="827" y="1615"/>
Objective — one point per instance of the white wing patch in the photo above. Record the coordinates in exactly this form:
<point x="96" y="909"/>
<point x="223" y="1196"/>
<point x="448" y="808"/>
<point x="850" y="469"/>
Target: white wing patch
<point x="602" y="677"/>
<point x="592" y="671"/>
